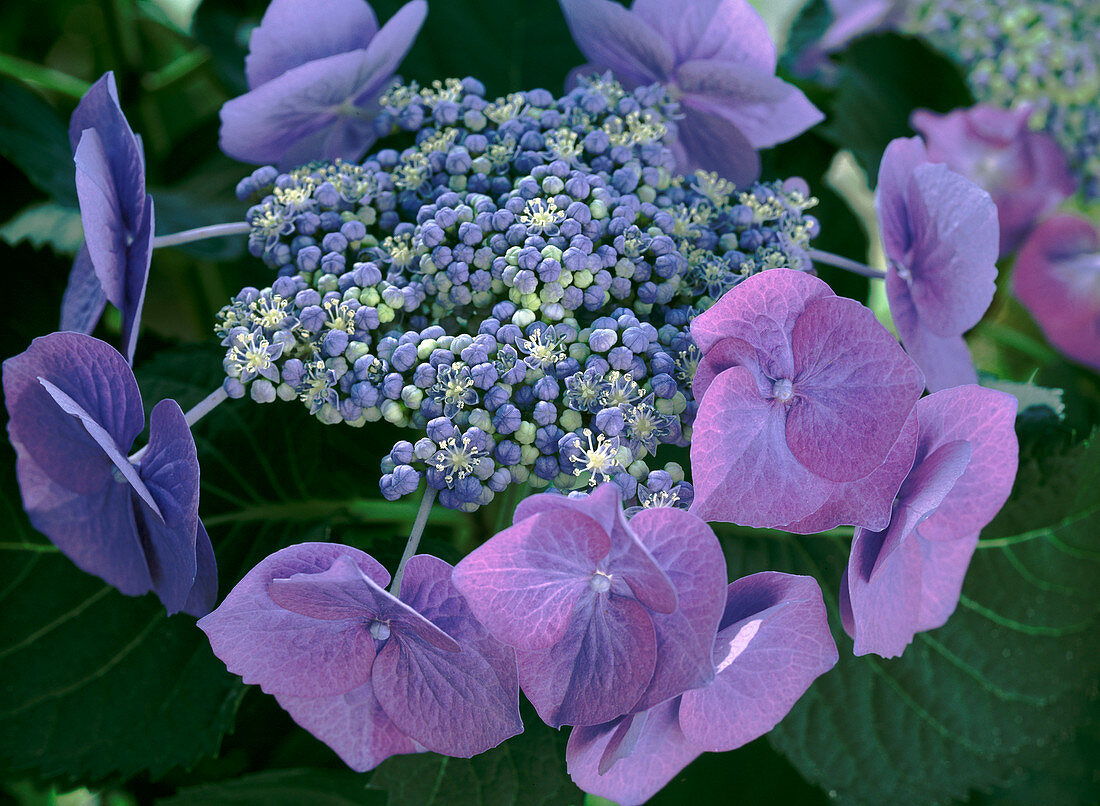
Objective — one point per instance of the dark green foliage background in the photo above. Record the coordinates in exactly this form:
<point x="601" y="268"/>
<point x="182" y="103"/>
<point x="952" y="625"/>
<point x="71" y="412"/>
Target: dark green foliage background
<point x="105" y="691"/>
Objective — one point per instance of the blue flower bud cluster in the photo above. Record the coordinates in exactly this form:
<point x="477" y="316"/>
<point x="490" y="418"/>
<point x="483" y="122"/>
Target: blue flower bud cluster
<point x="517" y="286"/>
<point x="1046" y="53"/>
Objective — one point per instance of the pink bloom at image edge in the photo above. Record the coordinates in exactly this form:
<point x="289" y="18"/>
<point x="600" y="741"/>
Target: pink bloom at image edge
<point x="1024" y="171"/>
<point x="1057" y="278"/>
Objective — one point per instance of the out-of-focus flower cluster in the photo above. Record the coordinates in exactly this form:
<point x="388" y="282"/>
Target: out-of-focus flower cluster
<point x="1044" y="53"/>
<point x="517" y="284"/>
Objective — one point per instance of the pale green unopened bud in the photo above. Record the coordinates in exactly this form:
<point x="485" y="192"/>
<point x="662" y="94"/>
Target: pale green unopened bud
<point x="523" y="317"/>
<point x="525" y="434"/>
<point x="570" y="420"/>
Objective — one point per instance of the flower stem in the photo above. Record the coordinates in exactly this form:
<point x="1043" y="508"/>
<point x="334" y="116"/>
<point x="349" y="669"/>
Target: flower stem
<point x="201" y="234"/>
<point x="200" y="410"/>
<point x="414" y="537"/>
<point x="206" y="405"/>
<point x="846" y="264"/>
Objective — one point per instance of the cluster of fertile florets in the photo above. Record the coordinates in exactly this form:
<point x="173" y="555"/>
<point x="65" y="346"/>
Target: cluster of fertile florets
<point x="1044" y="53"/>
<point x="518" y="285"/>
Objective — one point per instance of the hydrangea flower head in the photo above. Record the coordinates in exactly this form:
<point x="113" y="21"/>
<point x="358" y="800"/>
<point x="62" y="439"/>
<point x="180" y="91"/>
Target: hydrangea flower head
<point x="1025" y="172"/>
<point x="116" y="212"/>
<point x="773" y="641"/>
<point x="516" y="286"/>
<point x="802" y="394"/>
<point x="75" y="411"/>
<point x="906" y="578"/>
<point x="1057" y="278"/>
<point x="369" y="674"/>
<point x="315" y="74"/>
<point x="716" y="58"/>
<point x="940" y="233"/>
<point x="607" y="617"/>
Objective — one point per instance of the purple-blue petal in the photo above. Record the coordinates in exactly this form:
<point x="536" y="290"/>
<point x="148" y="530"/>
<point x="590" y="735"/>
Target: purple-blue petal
<point x="525" y="582"/>
<point x="456" y="703"/>
<point x="284" y="652"/>
<point x="67" y="481"/>
<point x="293" y="32"/>
<point x="707" y="141"/>
<point x="600" y="667"/>
<point x="598" y="762"/>
<point x="612" y="38"/>
<point x="687" y="550"/>
<point x="944" y="360"/>
<point x="763" y="107"/>
<point x="773" y="643"/>
<point x="83" y="301"/>
<point x="322" y="109"/>
<point x="731" y="31"/>
<point x="99" y="110"/>
<point x="353" y="724"/>
<point x="170" y="469"/>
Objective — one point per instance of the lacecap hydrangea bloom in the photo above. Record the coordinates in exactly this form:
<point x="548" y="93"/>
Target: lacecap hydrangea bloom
<point x="716" y="58"/>
<point x="368" y="672"/>
<point x="906" y="578"/>
<point x="117" y="215"/>
<point x="516" y="286"/>
<point x="75" y="411"/>
<point x="940" y="233"/>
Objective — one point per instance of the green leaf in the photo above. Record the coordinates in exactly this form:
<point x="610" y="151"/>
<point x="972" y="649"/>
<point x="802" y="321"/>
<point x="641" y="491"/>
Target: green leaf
<point x="46" y="224"/>
<point x="881" y="80"/>
<point x="281" y="788"/>
<point x="36" y="140"/>
<point x="96" y="684"/>
<point x="527" y="770"/>
<point x="994" y="693"/>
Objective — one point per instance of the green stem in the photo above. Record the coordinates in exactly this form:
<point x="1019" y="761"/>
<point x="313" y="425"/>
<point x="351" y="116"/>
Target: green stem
<point x="414" y="537"/>
<point x="38" y="548"/>
<point x="175" y="70"/>
<point x="42" y="76"/>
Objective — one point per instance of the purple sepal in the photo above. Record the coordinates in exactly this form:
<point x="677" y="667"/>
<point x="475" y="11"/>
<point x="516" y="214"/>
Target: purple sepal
<point x="365" y="672"/>
<point x="907" y="578"/>
<point x="632" y="758"/>
<point x="572" y="587"/>
<point x="170" y="469"/>
<point x="718" y="60"/>
<point x="75" y="410"/>
<point x="115" y="210"/>
<point x="773" y="642"/>
<point x="940" y="234"/>
<point x="321" y="107"/>
<point x="786" y="419"/>
<point x="1057" y="278"/>
<point x="687" y="550"/>
<point x="293" y="32"/>
<point x="83" y="301"/>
